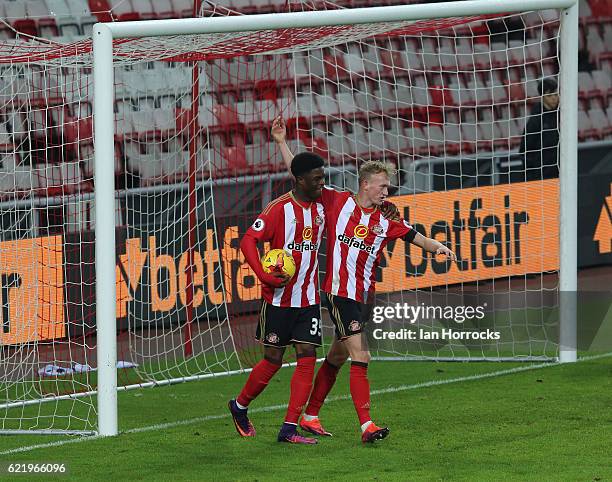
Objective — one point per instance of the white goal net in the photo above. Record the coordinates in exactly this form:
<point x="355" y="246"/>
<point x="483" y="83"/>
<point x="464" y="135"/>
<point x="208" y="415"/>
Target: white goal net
<point x="445" y="101"/>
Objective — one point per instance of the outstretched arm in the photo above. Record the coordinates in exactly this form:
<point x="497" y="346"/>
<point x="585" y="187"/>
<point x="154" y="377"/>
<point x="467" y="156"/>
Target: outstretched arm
<point x="279" y="134"/>
<point x="432" y="246"/>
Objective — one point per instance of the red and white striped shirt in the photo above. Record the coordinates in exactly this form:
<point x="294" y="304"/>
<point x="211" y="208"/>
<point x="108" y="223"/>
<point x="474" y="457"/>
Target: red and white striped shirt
<point x="297" y="228"/>
<point x="355" y="239"/>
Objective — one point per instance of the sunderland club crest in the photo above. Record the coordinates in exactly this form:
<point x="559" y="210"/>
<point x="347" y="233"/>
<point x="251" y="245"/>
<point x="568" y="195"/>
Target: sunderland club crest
<point x="354" y="325"/>
<point x="272" y="338"/>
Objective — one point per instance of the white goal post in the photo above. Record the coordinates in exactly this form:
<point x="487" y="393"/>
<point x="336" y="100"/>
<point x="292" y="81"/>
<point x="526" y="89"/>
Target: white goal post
<point x="105" y="33"/>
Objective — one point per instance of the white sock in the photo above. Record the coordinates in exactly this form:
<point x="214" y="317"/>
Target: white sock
<point x="240" y="406"/>
<point x="309" y="418"/>
<point x="365" y="426"/>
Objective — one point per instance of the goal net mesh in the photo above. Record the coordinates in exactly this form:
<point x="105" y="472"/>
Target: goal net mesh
<point x="445" y="101"/>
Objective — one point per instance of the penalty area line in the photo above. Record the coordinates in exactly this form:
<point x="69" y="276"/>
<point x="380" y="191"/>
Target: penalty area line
<point x="273" y="408"/>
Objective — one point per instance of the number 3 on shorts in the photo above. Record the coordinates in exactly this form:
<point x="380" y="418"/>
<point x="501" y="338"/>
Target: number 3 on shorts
<point x="315" y="329"/>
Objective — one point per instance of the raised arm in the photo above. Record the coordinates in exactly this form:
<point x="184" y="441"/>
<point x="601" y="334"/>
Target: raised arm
<point x="279" y="134"/>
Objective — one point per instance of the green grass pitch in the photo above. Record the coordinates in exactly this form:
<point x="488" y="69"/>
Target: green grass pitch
<point x="551" y="423"/>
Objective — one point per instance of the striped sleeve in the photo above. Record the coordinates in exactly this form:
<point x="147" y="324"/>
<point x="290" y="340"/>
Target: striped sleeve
<point x="401" y="229"/>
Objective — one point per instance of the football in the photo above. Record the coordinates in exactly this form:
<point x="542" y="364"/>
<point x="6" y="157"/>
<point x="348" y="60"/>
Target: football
<point x="280" y="261"/>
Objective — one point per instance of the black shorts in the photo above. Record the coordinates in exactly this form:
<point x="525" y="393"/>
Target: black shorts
<point x="349" y="316"/>
<point x="286" y="326"/>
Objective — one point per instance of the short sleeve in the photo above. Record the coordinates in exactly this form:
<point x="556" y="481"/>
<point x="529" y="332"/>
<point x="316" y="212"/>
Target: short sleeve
<point x="401" y="229"/>
<point x="262" y="229"/>
<point x="329" y="197"/>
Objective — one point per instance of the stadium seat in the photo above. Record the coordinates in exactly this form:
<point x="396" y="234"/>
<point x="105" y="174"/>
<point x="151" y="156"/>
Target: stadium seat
<point x="335" y="145"/>
<point x="346" y="103"/>
<point x="372" y="63"/>
<point x="225" y="116"/>
<point x="585" y="126"/>
<point x="287" y="107"/>
<point x="376" y="138"/>
<point x="144" y="8"/>
<point x="609" y="114"/>
<point x="334" y="65"/>
<point x="245" y="111"/>
<point x="607" y="34"/>
<point x="58" y="8"/>
<point x="182" y="8"/>
<point x="300" y="64"/>
<point x="17" y="124"/>
<point x="516" y="52"/>
<point x="366" y="102"/>
<point x="231" y="161"/>
<point x="358" y="140"/>
<point x="263" y="157"/>
<point x="469" y="136"/>
<point x="585" y="84"/>
<point x="584" y="9"/>
<point x="7" y="176"/>
<point x="156" y="81"/>
<point x="417" y="141"/>
<point x="602" y="84"/>
<point x="47" y="179"/>
<point x="77" y="129"/>
<point x="144" y="103"/>
<point x="386" y="96"/>
<point x="78" y="8"/>
<point x="326" y="105"/>
<point x="403" y="95"/>
<point x="599" y="122"/>
<point x="38" y="10"/>
<point x="142" y="121"/>
<point x="147" y="168"/>
<point x="354" y="63"/>
<point x="174" y="166"/>
<point x="447" y="59"/>
<point x="306" y="103"/>
<point x="14" y="11"/>
<point x="241" y="5"/>
<point x="487" y="134"/>
<point x="413" y="61"/>
<point x="481" y="55"/>
<point x="265" y="111"/>
<point x="71" y="176"/>
<point x="5" y="139"/>
<point x="166" y="101"/>
<point x="162" y="8"/>
<point x="429" y="53"/>
<point x="595" y="44"/>
<point x="464" y="53"/>
<point x="122" y="10"/>
<point x="205" y="114"/>
<point x="165" y="120"/>
<point x="420" y="94"/>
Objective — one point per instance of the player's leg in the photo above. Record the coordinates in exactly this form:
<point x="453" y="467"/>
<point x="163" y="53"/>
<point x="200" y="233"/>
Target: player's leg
<point x="306" y="335"/>
<point x="357" y="346"/>
<point x="336" y="357"/>
<point x="270" y="334"/>
<point x="324" y="381"/>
